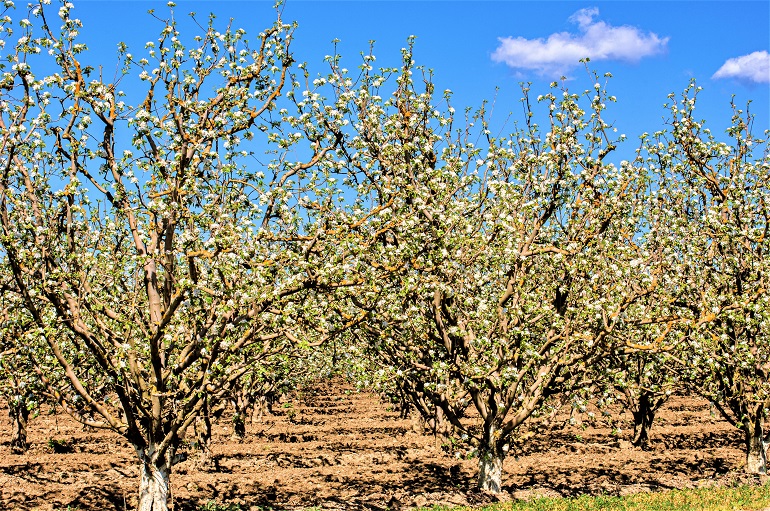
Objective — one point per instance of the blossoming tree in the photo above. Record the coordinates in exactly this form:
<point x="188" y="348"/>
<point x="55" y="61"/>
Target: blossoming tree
<point x="643" y="372"/>
<point x="19" y="384"/>
<point x="155" y="266"/>
<point x="714" y="209"/>
<point x="497" y="267"/>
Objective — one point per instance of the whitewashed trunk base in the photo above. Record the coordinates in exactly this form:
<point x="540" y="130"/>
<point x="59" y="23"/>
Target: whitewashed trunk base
<point x="154" y="488"/>
<point x="491" y="472"/>
<point x="756" y="456"/>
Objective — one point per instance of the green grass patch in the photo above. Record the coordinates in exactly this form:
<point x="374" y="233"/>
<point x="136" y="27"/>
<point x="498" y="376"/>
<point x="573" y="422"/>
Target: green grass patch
<point x="740" y="498"/>
<point x="213" y="505"/>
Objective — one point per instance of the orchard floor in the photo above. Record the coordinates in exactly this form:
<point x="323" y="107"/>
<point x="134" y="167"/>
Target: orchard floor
<point x="334" y="448"/>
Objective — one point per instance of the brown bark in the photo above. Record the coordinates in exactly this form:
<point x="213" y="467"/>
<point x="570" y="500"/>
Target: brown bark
<point x="205" y="460"/>
<point x="644" y="415"/>
<point x="19" y="416"/>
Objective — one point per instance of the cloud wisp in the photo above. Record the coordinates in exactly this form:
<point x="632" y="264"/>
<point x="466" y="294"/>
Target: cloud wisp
<point x="752" y="68"/>
<point x="561" y="52"/>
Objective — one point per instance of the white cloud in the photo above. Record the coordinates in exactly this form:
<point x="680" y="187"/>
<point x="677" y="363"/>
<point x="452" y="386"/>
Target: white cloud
<point x="754" y="67"/>
<point x="561" y="51"/>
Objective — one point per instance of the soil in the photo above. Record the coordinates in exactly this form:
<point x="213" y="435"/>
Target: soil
<point x="332" y="447"/>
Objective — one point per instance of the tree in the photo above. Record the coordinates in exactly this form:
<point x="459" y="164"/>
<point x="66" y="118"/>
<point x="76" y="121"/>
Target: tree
<point x="643" y="376"/>
<point x="261" y="384"/>
<point x="498" y="271"/>
<point x="155" y="266"/>
<point x="377" y="366"/>
<point x="714" y="208"/>
<point x="19" y="385"/>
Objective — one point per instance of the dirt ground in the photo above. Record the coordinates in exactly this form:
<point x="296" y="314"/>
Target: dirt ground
<point x="334" y="448"/>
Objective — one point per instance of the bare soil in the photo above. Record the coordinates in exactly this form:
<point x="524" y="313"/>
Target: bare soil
<point x="335" y="448"/>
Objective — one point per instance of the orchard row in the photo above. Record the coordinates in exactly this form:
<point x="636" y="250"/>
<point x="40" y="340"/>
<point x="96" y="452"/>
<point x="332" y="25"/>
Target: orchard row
<point x="235" y="219"/>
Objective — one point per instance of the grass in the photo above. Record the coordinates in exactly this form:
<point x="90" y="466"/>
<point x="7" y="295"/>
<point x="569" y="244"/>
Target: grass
<point x="213" y="505"/>
<point x="740" y="498"/>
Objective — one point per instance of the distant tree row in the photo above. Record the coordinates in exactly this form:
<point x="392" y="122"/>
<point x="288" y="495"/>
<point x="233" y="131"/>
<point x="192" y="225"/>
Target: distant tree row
<point x="241" y="221"/>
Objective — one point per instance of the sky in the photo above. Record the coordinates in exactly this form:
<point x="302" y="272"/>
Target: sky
<point x="483" y="50"/>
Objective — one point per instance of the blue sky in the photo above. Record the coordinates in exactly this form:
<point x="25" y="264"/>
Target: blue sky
<point x="651" y="48"/>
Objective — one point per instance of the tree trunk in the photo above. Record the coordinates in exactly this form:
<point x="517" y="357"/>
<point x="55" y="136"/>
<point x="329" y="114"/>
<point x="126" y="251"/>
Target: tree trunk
<point x="239" y="419"/>
<point x="491" y="457"/>
<point x="205" y="460"/>
<point x="154" y="487"/>
<point x="756" y="456"/>
<point x="19" y="415"/>
<point x="263" y="403"/>
<point x="242" y="405"/>
<point x="440" y="435"/>
<point x="239" y="425"/>
<point x="643" y="417"/>
<point x="259" y="409"/>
